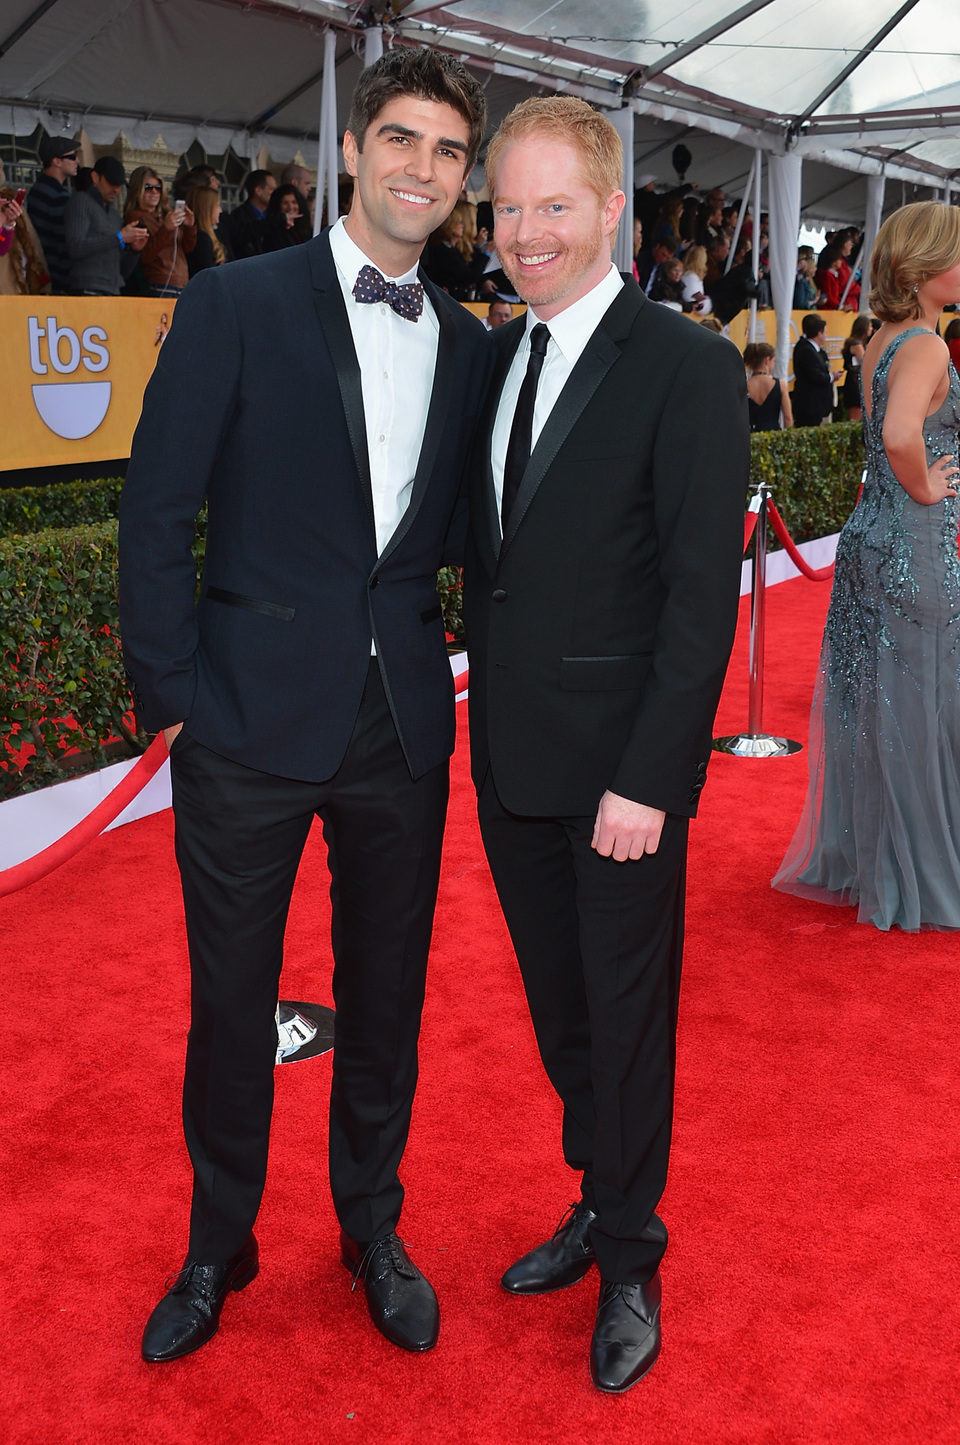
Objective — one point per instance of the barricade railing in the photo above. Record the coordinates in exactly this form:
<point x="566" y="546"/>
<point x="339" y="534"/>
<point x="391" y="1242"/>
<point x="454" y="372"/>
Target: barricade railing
<point x="754" y="742"/>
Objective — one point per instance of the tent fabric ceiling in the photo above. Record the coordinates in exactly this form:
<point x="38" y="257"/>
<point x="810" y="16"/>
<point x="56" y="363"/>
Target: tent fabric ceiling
<point x="246" y="73"/>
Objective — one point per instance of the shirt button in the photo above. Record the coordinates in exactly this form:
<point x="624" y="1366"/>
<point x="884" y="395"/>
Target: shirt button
<point x="381" y="437"/>
<point x="386" y="375"/>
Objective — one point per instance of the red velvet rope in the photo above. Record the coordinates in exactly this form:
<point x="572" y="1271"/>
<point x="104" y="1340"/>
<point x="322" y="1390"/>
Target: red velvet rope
<point x="90" y="827"/>
<point x="815" y="574"/>
<point x="461" y="681"/>
<point x="749" y="527"/>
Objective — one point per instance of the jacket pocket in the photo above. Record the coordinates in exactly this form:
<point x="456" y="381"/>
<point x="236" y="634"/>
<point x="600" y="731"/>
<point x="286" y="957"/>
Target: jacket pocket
<point x="597" y="674"/>
<point x="252" y="604"/>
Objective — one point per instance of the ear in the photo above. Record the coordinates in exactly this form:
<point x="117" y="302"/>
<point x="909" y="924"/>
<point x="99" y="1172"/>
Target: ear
<point x="612" y="212"/>
<point x="350" y="152"/>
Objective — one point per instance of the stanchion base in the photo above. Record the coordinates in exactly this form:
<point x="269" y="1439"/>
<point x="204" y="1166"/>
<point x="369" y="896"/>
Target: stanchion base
<point x="310" y="1022"/>
<point x="756" y="745"/>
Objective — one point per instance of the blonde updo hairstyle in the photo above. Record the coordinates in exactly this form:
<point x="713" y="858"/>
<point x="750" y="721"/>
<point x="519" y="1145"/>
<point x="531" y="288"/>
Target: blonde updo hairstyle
<point x="915" y="243"/>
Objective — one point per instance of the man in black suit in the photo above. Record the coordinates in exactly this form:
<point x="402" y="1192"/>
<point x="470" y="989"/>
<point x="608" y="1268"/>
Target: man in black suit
<point x="812" y="377"/>
<point x="602" y="579"/>
<point x="243" y="228"/>
<point x="322" y="398"/>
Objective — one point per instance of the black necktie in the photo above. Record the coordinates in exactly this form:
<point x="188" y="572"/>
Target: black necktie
<point x="521" y="433"/>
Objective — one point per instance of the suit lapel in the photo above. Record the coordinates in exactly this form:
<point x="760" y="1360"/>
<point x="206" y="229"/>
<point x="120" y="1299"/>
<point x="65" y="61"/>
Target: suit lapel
<point x="436" y="415"/>
<point x="332" y="314"/>
<point x="601" y="351"/>
<point x="487" y="524"/>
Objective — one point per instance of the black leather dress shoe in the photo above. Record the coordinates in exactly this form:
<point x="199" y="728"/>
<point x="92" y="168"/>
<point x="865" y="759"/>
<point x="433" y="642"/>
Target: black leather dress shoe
<point x="626" y="1336"/>
<point x="561" y="1261"/>
<point x="189" y="1313"/>
<point x="401" y="1302"/>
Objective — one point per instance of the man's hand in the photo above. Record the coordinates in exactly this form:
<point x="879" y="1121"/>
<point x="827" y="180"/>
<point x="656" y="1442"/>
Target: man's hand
<point x="170" y="733"/>
<point x="625" y="829"/>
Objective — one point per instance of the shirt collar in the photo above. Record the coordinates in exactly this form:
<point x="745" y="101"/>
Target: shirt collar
<point x="350" y="260"/>
<point x="572" y="328"/>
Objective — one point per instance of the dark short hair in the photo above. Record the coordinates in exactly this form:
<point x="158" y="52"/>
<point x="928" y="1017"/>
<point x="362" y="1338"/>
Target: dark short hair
<point x="254" y="180"/>
<point x="425" y="73"/>
<point x="813" y="324"/>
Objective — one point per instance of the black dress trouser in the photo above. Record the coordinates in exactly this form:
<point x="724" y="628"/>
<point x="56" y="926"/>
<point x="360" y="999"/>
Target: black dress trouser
<point x="239" y="837"/>
<point x="599" y="945"/>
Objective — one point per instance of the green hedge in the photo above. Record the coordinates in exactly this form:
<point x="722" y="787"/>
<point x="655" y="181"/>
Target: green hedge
<point x="60" y="656"/>
<point x="814" y="472"/>
<point x="59" y="650"/>
<point x="63" y="504"/>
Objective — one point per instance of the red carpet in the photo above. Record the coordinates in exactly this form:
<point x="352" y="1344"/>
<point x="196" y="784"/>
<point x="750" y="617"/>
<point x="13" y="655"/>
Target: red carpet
<point x="810" y="1290"/>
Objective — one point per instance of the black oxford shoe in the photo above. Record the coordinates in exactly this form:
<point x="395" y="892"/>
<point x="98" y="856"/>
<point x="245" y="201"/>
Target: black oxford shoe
<point x="189" y="1313"/>
<point x="401" y="1302"/>
<point x="626" y="1336"/>
<point x="561" y="1261"/>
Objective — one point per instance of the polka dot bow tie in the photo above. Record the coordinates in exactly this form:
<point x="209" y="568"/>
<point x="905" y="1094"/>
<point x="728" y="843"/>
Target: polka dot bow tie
<point x="406" y="301"/>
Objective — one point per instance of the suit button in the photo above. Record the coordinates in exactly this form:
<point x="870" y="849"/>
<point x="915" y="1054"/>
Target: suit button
<point x="373" y="582"/>
<point x="499" y="595"/>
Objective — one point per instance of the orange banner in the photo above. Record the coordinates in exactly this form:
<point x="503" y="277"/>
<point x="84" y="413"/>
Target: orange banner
<point x="72" y="375"/>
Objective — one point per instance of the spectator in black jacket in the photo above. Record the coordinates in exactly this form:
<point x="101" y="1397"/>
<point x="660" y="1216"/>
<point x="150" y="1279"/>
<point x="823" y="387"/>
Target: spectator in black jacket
<point x="244" y="226"/>
<point x="812" y="377"/>
<point x="287" y="222"/>
<point x="48" y="196"/>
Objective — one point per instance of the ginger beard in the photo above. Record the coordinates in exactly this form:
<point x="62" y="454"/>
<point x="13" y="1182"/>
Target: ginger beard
<point x="552" y="231"/>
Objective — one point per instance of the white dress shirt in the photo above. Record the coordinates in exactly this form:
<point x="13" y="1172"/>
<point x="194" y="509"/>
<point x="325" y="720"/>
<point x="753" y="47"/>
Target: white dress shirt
<point x="397" y="359"/>
<point x="570" y="331"/>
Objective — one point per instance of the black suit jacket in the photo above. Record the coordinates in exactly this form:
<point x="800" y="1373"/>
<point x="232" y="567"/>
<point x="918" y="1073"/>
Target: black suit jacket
<point x="812" y="383"/>
<point x="599" y="631"/>
<point x="256" y="405"/>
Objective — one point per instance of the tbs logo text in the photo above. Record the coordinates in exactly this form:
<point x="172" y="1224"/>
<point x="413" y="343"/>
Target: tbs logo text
<point x="71" y="409"/>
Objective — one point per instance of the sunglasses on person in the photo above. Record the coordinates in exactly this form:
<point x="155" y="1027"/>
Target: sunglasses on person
<point x="151" y="187"/>
<point x="71" y="157"/>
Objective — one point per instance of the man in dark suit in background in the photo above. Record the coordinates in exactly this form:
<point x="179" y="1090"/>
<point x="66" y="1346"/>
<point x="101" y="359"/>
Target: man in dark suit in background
<point x="602" y="579"/>
<point x="812" y="377"/>
<point x="322" y="398"/>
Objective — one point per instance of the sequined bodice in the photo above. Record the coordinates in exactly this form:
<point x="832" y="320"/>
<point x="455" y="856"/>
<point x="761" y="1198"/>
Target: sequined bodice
<point x="897" y="563"/>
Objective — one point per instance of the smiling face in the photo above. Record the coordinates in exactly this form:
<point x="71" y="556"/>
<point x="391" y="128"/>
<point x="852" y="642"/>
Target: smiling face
<point x="290" y="206"/>
<point x="150" y="193"/>
<point x="408" y="178"/>
<point x="552" y="231"/>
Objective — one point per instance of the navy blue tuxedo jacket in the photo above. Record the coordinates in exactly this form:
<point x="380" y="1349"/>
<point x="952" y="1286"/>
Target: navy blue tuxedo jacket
<point x="256" y="406"/>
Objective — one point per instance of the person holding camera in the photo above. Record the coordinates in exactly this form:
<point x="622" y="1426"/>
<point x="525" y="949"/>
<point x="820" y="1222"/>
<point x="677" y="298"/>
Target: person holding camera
<point x="171" y="232"/>
<point x="102" y="250"/>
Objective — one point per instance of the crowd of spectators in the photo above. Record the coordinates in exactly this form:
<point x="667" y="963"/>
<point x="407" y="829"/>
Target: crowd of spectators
<point x="92" y="231"/>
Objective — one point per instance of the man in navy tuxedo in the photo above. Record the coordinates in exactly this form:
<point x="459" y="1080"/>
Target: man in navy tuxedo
<point x="322" y="398"/>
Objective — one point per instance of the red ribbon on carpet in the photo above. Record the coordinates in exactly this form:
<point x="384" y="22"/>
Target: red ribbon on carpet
<point x="815" y="574"/>
<point x="90" y="827"/>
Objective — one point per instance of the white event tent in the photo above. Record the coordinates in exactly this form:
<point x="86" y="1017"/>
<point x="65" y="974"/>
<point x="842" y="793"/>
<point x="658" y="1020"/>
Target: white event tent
<point x="831" y="100"/>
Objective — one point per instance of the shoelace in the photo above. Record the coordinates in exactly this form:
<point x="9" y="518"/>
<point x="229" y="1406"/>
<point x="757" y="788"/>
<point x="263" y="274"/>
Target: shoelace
<point x="568" y="1216"/>
<point x="391" y="1247"/>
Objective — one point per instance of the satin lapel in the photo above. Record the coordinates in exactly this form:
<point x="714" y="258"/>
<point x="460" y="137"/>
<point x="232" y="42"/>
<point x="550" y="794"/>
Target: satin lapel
<point x="601" y="351"/>
<point x="436" y="413"/>
<point x="489" y="528"/>
<point x="332" y="313"/>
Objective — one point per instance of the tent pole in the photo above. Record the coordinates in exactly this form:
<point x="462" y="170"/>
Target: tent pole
<point x="740" y="214"/>
<point x="755" y="241"/>
<point x="327" y="156"/>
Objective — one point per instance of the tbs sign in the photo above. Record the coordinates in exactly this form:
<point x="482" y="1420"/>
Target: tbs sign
<point x="74" y="408"/>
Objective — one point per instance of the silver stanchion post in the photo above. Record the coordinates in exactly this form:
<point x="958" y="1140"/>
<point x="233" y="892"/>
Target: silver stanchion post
<point x="755" y="743"/>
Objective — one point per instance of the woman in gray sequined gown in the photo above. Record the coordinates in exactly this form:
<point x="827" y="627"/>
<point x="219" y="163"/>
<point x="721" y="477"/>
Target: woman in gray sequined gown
<point x="881" y="826"/>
